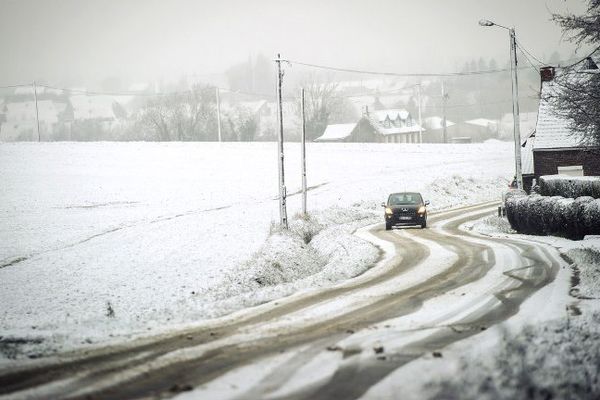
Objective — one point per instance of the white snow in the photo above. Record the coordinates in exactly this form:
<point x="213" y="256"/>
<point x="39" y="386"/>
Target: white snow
<point x="174" y="233"/>
<point x="545" y="350"/>
<point x="336" y="132"/>
<point x="552" y="130"/>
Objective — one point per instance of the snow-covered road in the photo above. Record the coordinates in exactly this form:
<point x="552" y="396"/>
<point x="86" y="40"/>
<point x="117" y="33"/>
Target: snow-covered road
<point x="432" y="288"/>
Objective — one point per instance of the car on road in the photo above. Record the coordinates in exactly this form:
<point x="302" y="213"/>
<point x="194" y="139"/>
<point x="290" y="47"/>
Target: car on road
<point x="405" y="209"/>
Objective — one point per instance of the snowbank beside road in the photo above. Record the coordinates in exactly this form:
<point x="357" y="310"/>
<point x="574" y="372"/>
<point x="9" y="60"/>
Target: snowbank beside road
<point x="555" y="355"/>
<point x="109" y="239"/>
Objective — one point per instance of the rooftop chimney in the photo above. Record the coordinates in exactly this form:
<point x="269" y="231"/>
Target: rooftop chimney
<point x="547" y="74"/>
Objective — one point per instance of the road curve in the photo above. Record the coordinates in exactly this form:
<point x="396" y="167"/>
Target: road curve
<point x="497" y="275"/>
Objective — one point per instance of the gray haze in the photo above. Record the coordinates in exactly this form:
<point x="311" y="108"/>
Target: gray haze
<point x="83" y="41"/>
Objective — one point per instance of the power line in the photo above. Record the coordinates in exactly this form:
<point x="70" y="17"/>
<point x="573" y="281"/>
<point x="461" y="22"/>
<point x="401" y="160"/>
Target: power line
<point x="523" y="52"/>
<point x="142" y="94"/>
<point x="404" y="75"/>
<point x="523" y="48"/>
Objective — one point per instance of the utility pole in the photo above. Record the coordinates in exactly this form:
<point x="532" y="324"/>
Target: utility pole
<point x="444" y="100"/>
<point x="420" y="120"/>
<point x="515" y="97"/>
<point x="516" y="118"/>
<point x="37" y="113"/>
<point x="218" y="114"/>
<point x="303" y="152"/>
<point x="282" y="191"/>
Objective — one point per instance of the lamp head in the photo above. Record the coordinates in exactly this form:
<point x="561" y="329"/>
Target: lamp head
<point x="485" y="22"/>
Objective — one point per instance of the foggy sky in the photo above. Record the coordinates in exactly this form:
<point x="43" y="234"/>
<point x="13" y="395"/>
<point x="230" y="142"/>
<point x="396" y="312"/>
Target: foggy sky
<point x="89" y="40"/>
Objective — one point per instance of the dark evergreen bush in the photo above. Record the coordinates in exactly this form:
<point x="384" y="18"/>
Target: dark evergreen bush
<point x="542" y="215"/>
<point x="570" y="186"/>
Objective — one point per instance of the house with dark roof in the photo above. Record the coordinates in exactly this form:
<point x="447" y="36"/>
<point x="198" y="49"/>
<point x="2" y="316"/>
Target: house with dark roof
<point x="556" y="148"/>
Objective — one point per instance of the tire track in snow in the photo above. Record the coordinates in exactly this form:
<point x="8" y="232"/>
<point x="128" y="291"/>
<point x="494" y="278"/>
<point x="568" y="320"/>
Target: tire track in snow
<point x="107" y="363"/>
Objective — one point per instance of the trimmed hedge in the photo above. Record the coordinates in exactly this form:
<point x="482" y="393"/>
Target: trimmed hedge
<point x="543" y="215"/>
<point x="570" y="186"/>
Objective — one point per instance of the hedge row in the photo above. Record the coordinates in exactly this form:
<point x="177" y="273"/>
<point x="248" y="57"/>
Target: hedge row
<point x="556" y="215"/>
<point x="569" y="186"/>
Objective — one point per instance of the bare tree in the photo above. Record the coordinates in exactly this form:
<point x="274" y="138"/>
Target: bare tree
<point x="182" y="116"/>
<point x="577" y="97"/>
<point x="324" y="105"/>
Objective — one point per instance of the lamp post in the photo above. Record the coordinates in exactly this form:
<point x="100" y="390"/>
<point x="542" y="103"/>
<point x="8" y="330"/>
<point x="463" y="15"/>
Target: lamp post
<point x="515" y="95"/>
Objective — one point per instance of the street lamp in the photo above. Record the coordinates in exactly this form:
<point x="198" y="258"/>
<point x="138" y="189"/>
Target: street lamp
<point x="515" y="95"/>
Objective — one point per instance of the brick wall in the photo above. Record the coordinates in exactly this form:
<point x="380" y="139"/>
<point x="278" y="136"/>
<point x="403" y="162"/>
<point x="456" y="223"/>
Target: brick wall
<point x="547" y="162"/>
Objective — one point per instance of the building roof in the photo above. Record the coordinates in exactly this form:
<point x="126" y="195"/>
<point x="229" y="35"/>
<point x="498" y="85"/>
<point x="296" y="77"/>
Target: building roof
<point x="553" y="131"/>
<point x="434" y="123"/>
<point x="410" y="127"/>
<point x="393" y="114"/>
<point x="336" y="132"/>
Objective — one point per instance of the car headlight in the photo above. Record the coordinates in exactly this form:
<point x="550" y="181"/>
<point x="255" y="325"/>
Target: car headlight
<point x="421" y="210"/>
<point x="388" y="211"/>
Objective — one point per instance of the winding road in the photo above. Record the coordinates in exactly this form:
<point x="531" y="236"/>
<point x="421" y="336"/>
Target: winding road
<point x="431" y="288"/>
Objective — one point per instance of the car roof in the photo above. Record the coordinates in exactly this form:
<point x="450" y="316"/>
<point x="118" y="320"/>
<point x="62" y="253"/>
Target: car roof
<point x="391" y="194"/>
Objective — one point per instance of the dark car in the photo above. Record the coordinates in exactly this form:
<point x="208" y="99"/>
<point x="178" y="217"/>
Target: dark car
<point x="405" y="209"/>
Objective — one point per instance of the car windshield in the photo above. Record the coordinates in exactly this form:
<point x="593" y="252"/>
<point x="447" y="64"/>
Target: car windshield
<point x="404" y="198"/>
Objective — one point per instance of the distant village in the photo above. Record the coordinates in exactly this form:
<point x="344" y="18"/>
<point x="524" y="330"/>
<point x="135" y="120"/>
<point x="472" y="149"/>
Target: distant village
<point x="386" y="115"/>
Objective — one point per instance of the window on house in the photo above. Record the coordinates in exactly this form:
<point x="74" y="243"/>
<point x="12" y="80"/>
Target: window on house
<point x="571" y="170"/>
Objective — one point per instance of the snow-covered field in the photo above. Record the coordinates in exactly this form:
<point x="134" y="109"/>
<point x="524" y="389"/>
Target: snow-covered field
<point x="110" y="239"/>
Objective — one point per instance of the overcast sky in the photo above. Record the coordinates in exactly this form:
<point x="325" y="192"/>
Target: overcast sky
<point x="61" y="40"/>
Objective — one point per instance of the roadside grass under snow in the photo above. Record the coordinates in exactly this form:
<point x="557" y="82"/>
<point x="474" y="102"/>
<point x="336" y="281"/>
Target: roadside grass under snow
<point x="555" y="358"/>
<point x="109" y="240"/>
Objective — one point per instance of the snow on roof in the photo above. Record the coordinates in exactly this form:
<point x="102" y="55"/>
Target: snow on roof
<point x="92" y="107"/>
<point x="482" y="122"/>
<point x="393" y="130"/>
<point x="393" y="114"/>
<point x="435" y="122"/>
<point x="336" y="132"/>
<point x="553" y="131"/>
